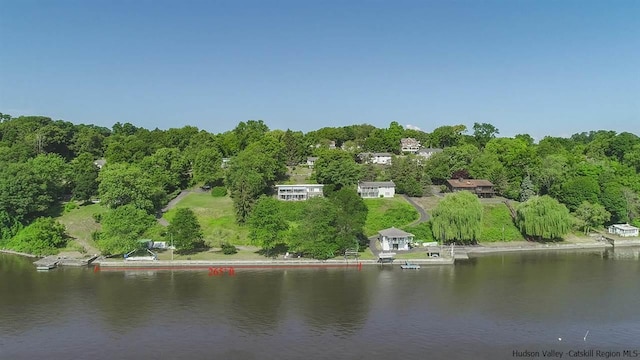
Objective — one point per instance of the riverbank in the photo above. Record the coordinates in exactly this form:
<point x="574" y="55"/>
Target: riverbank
<point x="11" y="252"/>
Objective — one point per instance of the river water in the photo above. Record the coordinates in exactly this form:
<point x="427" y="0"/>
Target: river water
<point x="485" y="308"/>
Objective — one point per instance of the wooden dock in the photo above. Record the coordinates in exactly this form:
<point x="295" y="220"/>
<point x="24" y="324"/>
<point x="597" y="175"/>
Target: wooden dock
<point x="53" y="261"/>
<point x="47" y="263"/>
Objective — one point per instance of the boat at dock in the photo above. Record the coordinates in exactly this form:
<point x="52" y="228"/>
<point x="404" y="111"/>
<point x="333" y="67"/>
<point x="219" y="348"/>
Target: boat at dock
<point x="408" y="266"/>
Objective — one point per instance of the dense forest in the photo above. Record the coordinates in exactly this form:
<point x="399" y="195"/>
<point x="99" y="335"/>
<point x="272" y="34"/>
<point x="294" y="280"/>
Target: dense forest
<point x="47" y="166"/>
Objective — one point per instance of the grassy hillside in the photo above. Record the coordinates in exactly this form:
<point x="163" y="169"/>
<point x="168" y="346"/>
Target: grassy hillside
<point x="495" y="217"/>
<point x="387" y="212"/>
<point x="216" y="217"/>
<point x="80" y="223"/>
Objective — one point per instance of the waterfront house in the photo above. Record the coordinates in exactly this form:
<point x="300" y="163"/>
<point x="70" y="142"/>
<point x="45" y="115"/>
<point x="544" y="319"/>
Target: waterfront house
<point x="482" y="188"/>
<point x="376" y="189"/>
<point x="623" y="230"/>
<point x="409" y="145"/>
<point x="311" y="161"/>
<point x="394" y="239"/>
<point x="299" y="192"/>
<point x="375" y="158"/>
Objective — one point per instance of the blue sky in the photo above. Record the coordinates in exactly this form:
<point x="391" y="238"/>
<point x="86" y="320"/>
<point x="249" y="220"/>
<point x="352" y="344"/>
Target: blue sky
<point x="537" y="67"/>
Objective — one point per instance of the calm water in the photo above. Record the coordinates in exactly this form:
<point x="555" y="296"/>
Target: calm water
<point x="483" y="309"/>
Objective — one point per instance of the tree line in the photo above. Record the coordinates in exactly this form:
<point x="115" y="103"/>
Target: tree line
<point x="44" y="163"/>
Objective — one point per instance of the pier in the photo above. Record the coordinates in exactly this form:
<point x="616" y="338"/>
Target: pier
<point x="53" y="261"/>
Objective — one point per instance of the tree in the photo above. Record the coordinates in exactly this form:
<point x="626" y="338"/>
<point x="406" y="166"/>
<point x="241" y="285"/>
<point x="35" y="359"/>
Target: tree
<point x="185" y="230"/>
<point x="578" y="189"/>
<point x="445" y="136"/>
<point x="352" y="215"/>
<point x="124" y="184"/>
<point x="44" y="236"/>
<point x="591" y="215"/>
<point x="409" y="176"/>
<point x="317" y="232"/>
<point x="526" y="189"/>
<point x="207" y="167"/>
<point x="84" y="177"/>
<point x="484" y="132"/>
<point x="266" y="223"/>
<point x="167" y="168"/>
<point x="337" y="168"/>
<point x="543" y="217"/>
<point x="122" y="228"/>
<point x="458" y="218"/>
<point x="293" y="147"/>
<point x="245" y="185"/>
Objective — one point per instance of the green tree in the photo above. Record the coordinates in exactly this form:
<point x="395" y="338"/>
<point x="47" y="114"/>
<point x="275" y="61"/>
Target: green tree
<point x="185" y="231"/>
<point x="122" y="228"/>
<point x="483" y="132"/>
<point x="409" y="176"/>
<point x="44" y="236"/>
<point x="207" y="167"/>
<point x="543" y="217"/>
<point x="578" y="189"/>
<point x="351" y="217"/>
<point x="591" y="215"/>
<point x="266" y="224"/>
<point x="245" y="185"/>
<point x="445" y="136"/>
<point x="123" y="184"/>
<point x="337" y="168"/>
<point x="316" y="235"/>
<point x="84" y="177"/>
<point x="293" y="147"/>
<point x="458" y="218"/>
<point x="526" y="189"/>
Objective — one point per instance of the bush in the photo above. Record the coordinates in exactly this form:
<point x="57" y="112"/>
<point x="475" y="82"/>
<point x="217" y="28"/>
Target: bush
<point x="70" y="206"/>
<point x="219" y="191"/>
<point x="228" y="249"/>
<point x="97" y="217"/>
<point x="422" y="232"/>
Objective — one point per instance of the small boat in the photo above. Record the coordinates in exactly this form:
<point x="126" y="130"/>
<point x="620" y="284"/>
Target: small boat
<point x="410" y="266"/>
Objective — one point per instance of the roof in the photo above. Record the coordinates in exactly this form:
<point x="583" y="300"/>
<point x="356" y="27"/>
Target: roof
<point x="409" y="141"/>
<point x="300" y="185"/>
<point x="468" y="183"/>
<point x="377" y="183"/>
<point x="393" y="232"/>
<point x="429" y="150"/>
<point x="100" y="162"/>
<point x="312" y="158"/>
<point x="624" y="227"/>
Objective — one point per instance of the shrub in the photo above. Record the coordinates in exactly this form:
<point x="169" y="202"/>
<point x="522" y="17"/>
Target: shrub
<point x="228" y="249"/>
<point x="219" y="191"/>
<point x="70" y="206"/>
<point x="97" y="217"/>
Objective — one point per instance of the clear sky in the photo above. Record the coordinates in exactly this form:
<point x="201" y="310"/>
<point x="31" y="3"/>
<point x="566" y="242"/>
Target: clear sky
<point x="538" y="67"/>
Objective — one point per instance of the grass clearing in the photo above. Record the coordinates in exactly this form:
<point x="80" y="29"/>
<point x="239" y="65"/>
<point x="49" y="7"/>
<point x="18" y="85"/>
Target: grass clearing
<point x="80" y="224"/>
<point x="497" y="224"/>
<point x="387" y="212"/>
<point x="216" y="217"/>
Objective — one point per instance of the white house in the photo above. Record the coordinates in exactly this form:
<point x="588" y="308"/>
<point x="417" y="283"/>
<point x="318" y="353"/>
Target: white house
<point x="375" y="158"/>
<point x="225" y="162"/>
<point x="299" y="191"/>
<point x="428" y="152"/>
<point x="409" y="145"/>
<point x="376" y="189"/>
<point x="394" y="239"/>
<point x="311" y="161"/>
<point x="623" y="230"/>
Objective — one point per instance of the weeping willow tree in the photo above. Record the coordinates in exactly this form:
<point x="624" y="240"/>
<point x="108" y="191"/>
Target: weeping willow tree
<point x="457" y="218"/>
<point x="543" y="217"/>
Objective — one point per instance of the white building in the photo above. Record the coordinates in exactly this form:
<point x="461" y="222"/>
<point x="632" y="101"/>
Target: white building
<point x="376" y="158"/>
<point x="428" y="152"/>
<point x="299" y="191"/>
<point x="311" y="161"/>
<point x="100" y="163"/>
<point x="409" y="145"/>
<point x="394" y="239"/>
<point x="376" y="189"/>
<point x="623" y="230"/>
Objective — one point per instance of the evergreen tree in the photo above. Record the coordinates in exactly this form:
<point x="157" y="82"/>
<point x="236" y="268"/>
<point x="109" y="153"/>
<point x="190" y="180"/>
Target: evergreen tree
<point x="526" y="189"/>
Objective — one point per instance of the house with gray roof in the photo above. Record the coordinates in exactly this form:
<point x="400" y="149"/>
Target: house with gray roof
<point x="376" y="189"/>
<point x="395" y="239"/>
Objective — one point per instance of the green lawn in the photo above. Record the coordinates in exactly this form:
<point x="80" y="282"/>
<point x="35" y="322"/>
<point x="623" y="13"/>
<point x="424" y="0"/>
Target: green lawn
<point x="80" y="223"/>
<point x="387" y="212"/>
<point x="497" y="224"/>
<point x="216" y="216"/>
